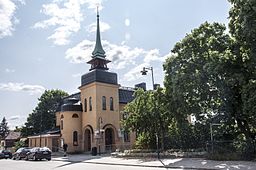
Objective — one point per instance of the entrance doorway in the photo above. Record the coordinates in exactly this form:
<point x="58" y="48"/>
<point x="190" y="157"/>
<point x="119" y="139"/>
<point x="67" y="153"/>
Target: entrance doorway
<point x="87" y="140"/>
<point x="109" y="140"/>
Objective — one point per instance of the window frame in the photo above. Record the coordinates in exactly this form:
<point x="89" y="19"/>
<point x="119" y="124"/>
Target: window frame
<point x="90" y="103"/>
<point x="85" y="105"/>
<point x="75" y="138"/>
<point x="104" y="103"/>
<point x="111" y="104"/>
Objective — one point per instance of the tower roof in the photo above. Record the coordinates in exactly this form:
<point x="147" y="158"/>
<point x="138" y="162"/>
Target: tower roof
<point x="98" y="50"/>
<point x="98" y="60"/>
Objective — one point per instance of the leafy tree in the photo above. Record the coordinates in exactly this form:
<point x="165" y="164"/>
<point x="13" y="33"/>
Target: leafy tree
<point x="194" y="73"/>
<point x="242" y="28"/>
<point x="42" y="117"/>
<point x="211" y="74"/>
<point x="148" y="117"/>
<point x="19" y="144"/>
<point x="4" y="129"/>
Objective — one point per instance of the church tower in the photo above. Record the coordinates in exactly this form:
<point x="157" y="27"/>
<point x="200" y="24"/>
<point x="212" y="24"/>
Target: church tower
<point x="100" y="101"/>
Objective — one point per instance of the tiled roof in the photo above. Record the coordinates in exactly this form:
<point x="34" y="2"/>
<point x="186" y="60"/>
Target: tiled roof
<point x="13" y="135"/>
<point x="125" y="95"/>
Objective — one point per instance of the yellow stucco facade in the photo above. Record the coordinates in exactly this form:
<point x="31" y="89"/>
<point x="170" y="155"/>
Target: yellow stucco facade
<point x="96" y="125"/>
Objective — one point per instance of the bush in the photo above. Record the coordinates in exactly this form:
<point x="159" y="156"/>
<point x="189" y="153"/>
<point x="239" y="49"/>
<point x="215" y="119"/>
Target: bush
<point x="144" y="141"/>
<point x="19" y="144"/>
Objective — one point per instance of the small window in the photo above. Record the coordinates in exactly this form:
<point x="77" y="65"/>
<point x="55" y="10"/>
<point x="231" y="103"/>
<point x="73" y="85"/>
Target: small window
<point x="61" y="116"/>
<point x="45" y="141"/>
<point x="61" y="124"/>
<point x="75" y="143"/>
<point x="85" y="105"/>
<point x="75" y="115"/>
<point x="111" y="103"/>
<point x="104" y="106"/>
<point x="90" y="103"/>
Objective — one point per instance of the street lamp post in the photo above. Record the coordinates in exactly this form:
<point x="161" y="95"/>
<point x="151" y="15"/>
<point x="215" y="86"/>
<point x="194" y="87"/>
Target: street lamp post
<point x="211" y="132"/>
<point x="100" y="131"/>
<point x="144" y="72"/>
<point x="40" y="137"/>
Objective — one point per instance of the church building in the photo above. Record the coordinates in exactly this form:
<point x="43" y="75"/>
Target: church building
<point x="92" y="118"/>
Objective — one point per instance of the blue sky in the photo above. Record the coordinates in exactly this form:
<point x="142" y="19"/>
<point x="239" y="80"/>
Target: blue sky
<point x="45" y="44"/>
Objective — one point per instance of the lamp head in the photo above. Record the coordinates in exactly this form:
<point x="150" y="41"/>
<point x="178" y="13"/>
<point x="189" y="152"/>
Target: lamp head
<point x="144" y="71"/>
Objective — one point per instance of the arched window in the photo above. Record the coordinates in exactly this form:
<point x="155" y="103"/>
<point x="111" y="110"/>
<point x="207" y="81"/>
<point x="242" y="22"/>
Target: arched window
<point x="90" y="103"/>
<point x="61" y="116"/>
<point x="85" y="105"/>
<point x="111" y="103"/>
<point x="75" y="115"/>
<point x="104" y="106"/>
<point x="75" y="143"/>
<point x="61" y="124"/>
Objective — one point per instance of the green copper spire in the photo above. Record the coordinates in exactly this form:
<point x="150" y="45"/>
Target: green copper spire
<point x="98" y="50"/>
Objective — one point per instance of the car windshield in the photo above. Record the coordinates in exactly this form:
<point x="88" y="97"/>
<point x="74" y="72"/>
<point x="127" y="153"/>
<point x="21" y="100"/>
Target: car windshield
<point x="20" y="150"/>
<point x="45" y="149"/>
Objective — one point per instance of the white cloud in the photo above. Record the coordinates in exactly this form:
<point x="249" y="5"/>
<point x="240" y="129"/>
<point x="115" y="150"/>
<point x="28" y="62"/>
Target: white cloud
<point x="153" y="55"/>
<point x="18" y="87"/>
<point x="7" y="19"/>
<point x="103" y="27"/>
<point x="66" y="16"/>
<point x="7" y="70"/>
<point x="135" y="73"/>
<point x="81" y="53"/>
<point x="67" y="20"/>
<point x="122" y="57"/>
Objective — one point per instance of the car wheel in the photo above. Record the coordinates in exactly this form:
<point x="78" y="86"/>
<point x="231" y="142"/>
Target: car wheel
<point x="26" y="158"/>
<point x="19" y="158"/>
<point x="48" y="159"/>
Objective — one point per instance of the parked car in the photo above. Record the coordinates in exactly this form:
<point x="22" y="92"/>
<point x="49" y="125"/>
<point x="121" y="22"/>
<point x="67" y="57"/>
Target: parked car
<point x="5" y="154"/>
<point x="21" y="153"/>
<point x="39" y="154"/>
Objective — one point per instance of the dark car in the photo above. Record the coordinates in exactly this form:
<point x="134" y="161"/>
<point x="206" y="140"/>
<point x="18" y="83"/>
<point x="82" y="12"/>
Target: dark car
<point x="5" y="154"/>
<point x="20" y="153"/>
<point x="39" y="154"/>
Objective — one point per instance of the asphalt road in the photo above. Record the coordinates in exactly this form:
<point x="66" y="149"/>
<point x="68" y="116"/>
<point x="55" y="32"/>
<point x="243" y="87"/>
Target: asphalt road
<point x="63" y="165"/>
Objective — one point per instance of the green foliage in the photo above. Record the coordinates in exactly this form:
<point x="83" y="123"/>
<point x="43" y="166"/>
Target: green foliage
<point x="211" y="74"/>
<point x="42" y="117"/>
<point x="187" y="136"/>
<point x="4" y="129"/>
<point x="149" y="115"/>
<point x="144" y="141"/>
<point x="19" y="144"/>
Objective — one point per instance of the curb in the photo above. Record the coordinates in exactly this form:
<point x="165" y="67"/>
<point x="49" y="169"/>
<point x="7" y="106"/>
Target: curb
<point x="136" y="165"/>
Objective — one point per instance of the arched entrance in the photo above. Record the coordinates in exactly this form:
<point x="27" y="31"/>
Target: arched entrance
<point x="109" y="139"/>
<point x="87" y="140"/>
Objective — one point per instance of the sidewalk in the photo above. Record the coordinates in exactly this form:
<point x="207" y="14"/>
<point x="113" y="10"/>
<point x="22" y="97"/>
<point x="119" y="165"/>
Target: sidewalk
<point x="183" y="163"/>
